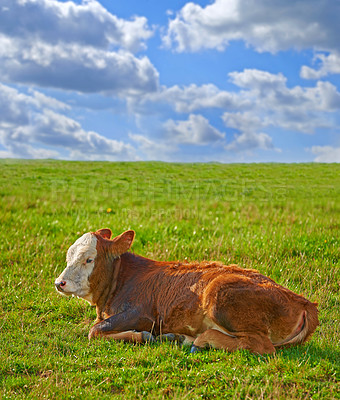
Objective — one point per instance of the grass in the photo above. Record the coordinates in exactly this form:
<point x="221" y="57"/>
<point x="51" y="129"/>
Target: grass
<point x="280" y="219"/>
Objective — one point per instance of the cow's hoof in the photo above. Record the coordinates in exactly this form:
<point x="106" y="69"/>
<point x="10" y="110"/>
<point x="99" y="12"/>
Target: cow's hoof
<point x="167" y="337"/>
<point x="194" y="349"/>
<point x="147" y="337"/>
<point x="93" y="333"/>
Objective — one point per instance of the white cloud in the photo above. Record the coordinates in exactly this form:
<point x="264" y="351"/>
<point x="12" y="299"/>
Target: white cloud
<point x="70" y="46"/>
<point x="262" y="103"/>
<point x="274" y="104"/>
<point x="14" y="107"/>
<point x="154" y="150"/>
<point x="187" y="99"/>
<point x="259" y="80"/>
<point x="250" y="141"/>
<point x="266" y="25"/>
<point x="165" y="142"/>
<point x="329" y="64"/>
<point x="16" y="149"/>
<point x="264" y="94"/>
<point x="79" y="68"/>
<point x="244" y="121"/>
<point x="29" y="129"/>
<point x="42" y="100"/>
<point x="53" y="129"/>
<point x="324" y="96"/>
<point x="196" y="130"/>
<point x="326" y="154"/>
<point x="85" y="24"/>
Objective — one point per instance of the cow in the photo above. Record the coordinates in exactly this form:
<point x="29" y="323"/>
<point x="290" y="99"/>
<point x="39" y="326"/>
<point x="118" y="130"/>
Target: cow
<point x="204" y="304"/>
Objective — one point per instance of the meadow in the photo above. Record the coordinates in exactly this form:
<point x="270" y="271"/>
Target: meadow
<point x="281" y="219"/>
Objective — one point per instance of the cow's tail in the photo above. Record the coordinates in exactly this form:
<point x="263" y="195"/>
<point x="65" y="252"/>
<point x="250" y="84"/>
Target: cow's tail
<point x="307" y="324"/>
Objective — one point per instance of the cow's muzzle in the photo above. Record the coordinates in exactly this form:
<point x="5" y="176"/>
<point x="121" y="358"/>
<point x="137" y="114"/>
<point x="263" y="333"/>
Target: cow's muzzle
<point x="60" y="285"/>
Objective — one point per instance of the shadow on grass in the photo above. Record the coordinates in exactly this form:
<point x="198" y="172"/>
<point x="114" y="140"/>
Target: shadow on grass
<point x="312" y="351"/>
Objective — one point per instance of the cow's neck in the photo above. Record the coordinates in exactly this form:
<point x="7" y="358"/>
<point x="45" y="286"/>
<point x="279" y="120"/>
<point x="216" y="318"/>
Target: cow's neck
<point x="128" y="266"/>
<point x="107" y="284"/>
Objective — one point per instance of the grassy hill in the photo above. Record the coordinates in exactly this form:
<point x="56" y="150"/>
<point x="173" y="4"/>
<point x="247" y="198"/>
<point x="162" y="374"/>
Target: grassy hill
<point x="281" y="219"/>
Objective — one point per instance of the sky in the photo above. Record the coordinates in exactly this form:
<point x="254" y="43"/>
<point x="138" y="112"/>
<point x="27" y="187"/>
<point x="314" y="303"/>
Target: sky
<point x="202" y="81"/>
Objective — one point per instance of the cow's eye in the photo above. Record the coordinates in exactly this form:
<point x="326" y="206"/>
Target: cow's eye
<point x="89" y="260"/>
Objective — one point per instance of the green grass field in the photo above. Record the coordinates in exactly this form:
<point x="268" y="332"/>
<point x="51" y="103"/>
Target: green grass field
<point x="281" y="219"/>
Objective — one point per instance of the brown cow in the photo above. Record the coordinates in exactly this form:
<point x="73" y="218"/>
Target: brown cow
<point x="207" y="303"/>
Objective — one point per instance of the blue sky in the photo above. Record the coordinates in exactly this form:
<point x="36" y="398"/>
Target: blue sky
<point x="222" y="80"/>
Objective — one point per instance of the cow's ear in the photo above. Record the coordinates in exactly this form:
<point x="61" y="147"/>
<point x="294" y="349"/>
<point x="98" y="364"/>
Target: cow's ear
<point x="105" y="233"/>
<point x="123" y="242"/>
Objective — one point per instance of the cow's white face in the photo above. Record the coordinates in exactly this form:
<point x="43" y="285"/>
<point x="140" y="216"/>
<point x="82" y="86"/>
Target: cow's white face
<point x="74" y="280"/>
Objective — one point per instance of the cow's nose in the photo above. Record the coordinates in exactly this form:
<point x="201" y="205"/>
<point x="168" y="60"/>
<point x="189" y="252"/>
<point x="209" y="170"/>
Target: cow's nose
<point x="60" y="285"/>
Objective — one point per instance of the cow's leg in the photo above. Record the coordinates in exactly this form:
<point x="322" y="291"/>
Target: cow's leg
<point x="120" y="323"/>
<point x="175" y="337"/>
<point x="256" y="343"/>
<point x="130" y="336"/>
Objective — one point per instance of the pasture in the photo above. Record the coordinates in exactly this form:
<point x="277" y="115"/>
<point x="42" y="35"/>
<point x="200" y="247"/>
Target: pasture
<point x="282" y="219"/>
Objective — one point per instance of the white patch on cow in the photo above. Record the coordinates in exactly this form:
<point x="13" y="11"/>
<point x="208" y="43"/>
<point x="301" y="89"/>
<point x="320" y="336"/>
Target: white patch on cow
<point x="191" y="329"/>
<point x="76" y="274"/>
<point x="211" y="325"/>
<point x="193" y="287"/>
<point x="89" y="299"/>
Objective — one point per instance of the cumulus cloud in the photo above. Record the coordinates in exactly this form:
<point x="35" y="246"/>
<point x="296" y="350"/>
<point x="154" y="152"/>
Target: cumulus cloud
<point x="29" y="129"/>
<point x="82" y="47"/>
<point x="244" y="121"/>
<point x="250" y="141"/>
<point x="274" y="104"/>
<point x="83" y="69"/>
<point x="155" y="150"/>
<point x="261" y="81"/>
<point x="259" y="90"/>
<point x="267" y="26"/>
<point x="56" y="130"/>
<point x="196" y="130"/>
<point x="187" y="99"/>
<point x="72" y="46"/>
<point x="263" y="102"/>
<point x="165" y="142"/>
<point x="326" y="154"/>
<point x="328" y="64"/>
<point x="85" y="24"/>
<point x="41" y="100"/>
